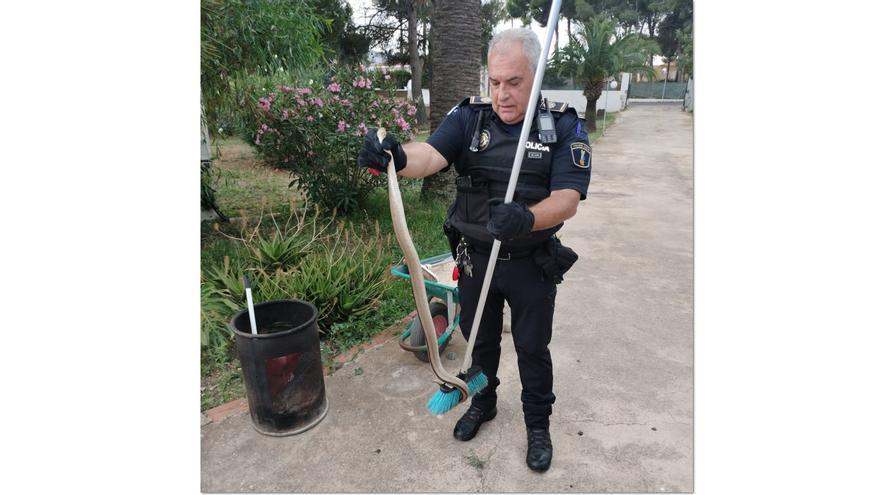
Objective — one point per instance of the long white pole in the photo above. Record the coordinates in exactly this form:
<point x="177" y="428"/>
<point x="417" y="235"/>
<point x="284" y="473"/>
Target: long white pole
<point x="514" y="176"/>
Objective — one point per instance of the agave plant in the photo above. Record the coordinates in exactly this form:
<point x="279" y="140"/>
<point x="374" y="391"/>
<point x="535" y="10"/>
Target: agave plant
<point x="226" y="280"/>
<point x="595" y="53"/>
<point x="342" y="280"/>
<point x="284" y="245"/>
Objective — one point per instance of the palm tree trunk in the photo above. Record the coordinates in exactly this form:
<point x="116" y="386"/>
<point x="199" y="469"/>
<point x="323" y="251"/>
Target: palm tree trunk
<point x="456" y="74"/>
<point x="590" y="115"/>
<point x="592" y="92"/>
<point x="415" y="64"/>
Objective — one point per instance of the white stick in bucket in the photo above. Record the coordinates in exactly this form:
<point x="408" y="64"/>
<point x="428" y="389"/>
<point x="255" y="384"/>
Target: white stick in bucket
<point x="250" y="304"/>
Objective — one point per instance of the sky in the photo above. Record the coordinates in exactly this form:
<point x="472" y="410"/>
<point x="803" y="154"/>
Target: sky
<point x="361" y="6"/>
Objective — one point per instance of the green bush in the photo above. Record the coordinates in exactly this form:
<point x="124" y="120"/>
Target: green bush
<point x="316" y="132"/>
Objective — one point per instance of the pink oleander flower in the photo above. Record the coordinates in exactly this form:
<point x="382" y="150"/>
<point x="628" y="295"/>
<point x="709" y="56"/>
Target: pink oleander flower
<point x="285" y="114"/>
<point x="362" y="129"/>
<point x="300" y="102"/>
<point x="310" y="118"/>
<point x="369" y="83"/>
<point x="264" y="127"/>
<point x="402" y="123"/>
<point x="395" y="112"/>
<point x="318" y="102"/>
<point x="387" y="76"/>
<point x="345" y="103"/>
<point x="342" y="126"/>
<point x="334" y="87"/>
<point x="362" y="68"/>
<point x="257" y="141"/>
<point x="304" y="91"/>
<point x="411" y="111"/>
<point x="265" y="104"/>
<point x="361" y="83"/>
<point x="285" y="89"/>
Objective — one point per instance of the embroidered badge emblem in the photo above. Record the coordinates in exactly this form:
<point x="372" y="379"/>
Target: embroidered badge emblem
<point x="581" y="155"/>
<point x="485" y="137"/>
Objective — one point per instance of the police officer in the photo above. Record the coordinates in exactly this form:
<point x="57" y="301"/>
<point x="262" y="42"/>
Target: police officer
<point x="479" y="137"/>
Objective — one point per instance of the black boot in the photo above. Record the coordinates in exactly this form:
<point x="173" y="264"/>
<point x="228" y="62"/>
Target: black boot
<point x="469" y="424"/>
<point x="540" y="449"/>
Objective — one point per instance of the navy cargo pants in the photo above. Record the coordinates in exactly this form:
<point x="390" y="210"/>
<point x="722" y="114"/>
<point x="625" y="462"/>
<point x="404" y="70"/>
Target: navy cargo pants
<point x="531" y="300"/>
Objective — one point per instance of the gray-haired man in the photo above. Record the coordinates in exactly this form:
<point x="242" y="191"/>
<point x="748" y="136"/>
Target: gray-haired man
<point x="479" y="137"/>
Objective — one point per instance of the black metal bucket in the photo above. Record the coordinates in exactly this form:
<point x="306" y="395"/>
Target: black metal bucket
<point x="281" y="366"/>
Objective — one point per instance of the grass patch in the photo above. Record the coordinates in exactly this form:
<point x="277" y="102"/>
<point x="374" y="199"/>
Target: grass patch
<point x="245" y="185"/>
<point x="601" y="127"/>
<point x="221" y="383"/>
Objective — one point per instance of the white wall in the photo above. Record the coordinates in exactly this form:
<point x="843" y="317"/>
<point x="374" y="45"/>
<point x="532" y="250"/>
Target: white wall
<point x="614" y="100"/>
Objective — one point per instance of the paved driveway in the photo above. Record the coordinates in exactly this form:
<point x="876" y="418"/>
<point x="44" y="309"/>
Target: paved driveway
<point x="622" y="350"/>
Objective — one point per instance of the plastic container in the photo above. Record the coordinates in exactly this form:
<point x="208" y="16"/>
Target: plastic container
<point x="281" y="366"/>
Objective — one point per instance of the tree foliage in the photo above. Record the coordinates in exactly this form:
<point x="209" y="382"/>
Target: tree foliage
<point x="675" y="32"/>
<point x="241" y="37"/>
<point x="597" y="52"/>
<point x="341" y="39"/>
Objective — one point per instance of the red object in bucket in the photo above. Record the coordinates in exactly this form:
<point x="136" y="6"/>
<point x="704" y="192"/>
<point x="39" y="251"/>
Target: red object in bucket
<point x="455" y="273"/>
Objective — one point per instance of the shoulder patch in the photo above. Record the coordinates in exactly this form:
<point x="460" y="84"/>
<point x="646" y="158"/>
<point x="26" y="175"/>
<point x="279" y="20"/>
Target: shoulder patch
<point x="581" y="155"/>
<point x="580" y="130"/>
<point x="480" y="100"/>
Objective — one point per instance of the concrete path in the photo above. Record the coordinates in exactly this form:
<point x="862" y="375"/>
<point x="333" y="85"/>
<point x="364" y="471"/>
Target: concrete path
<point x="622" y="350"/>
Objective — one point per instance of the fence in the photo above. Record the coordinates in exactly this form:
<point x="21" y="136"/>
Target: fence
<point x="657" y="89"/>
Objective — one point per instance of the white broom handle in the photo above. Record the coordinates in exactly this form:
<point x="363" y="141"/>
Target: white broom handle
<point x="514" y="176"/>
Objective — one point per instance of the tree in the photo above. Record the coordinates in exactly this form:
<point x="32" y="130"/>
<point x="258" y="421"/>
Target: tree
<point x="341" y="38"/>
<point x="675" y="31"/>
<point x="253" y="37"/>
<point x="386" y="30"/>
<point x="595" y="53"/>
<point x="415" y="61"/>
<point x="456" y="73"/>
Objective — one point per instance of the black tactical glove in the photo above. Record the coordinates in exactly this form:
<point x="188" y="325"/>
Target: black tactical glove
<point x="373" y="156"/>
<point x="509" y="221"/>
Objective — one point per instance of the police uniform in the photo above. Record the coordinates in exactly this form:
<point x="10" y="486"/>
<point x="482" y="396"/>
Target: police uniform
<point x="482" y="148"/>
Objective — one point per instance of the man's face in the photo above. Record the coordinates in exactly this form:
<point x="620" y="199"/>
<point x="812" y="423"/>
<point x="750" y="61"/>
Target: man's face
<point x="510" y="82"/>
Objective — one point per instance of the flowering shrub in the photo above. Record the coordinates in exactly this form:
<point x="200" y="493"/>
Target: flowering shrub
<point x="316" y="132"/>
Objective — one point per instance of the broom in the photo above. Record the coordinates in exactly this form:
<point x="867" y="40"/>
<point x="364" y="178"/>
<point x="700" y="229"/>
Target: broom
<point x="448" y="397"/>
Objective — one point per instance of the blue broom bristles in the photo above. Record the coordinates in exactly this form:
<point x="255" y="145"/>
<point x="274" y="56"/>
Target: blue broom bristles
<point x="448" y="397"/>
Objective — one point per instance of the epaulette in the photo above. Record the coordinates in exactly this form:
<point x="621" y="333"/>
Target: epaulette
<point x="479" y="100"/>
<point x="558" y="106"/>
<point x="471" y="101"/>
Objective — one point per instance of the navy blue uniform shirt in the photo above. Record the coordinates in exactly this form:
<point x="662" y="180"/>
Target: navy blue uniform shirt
<point x="453" y="137"/>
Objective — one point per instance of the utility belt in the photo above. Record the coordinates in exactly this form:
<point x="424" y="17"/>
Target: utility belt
<point x="503" y="254"/>
<point x="551" y="255"/>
